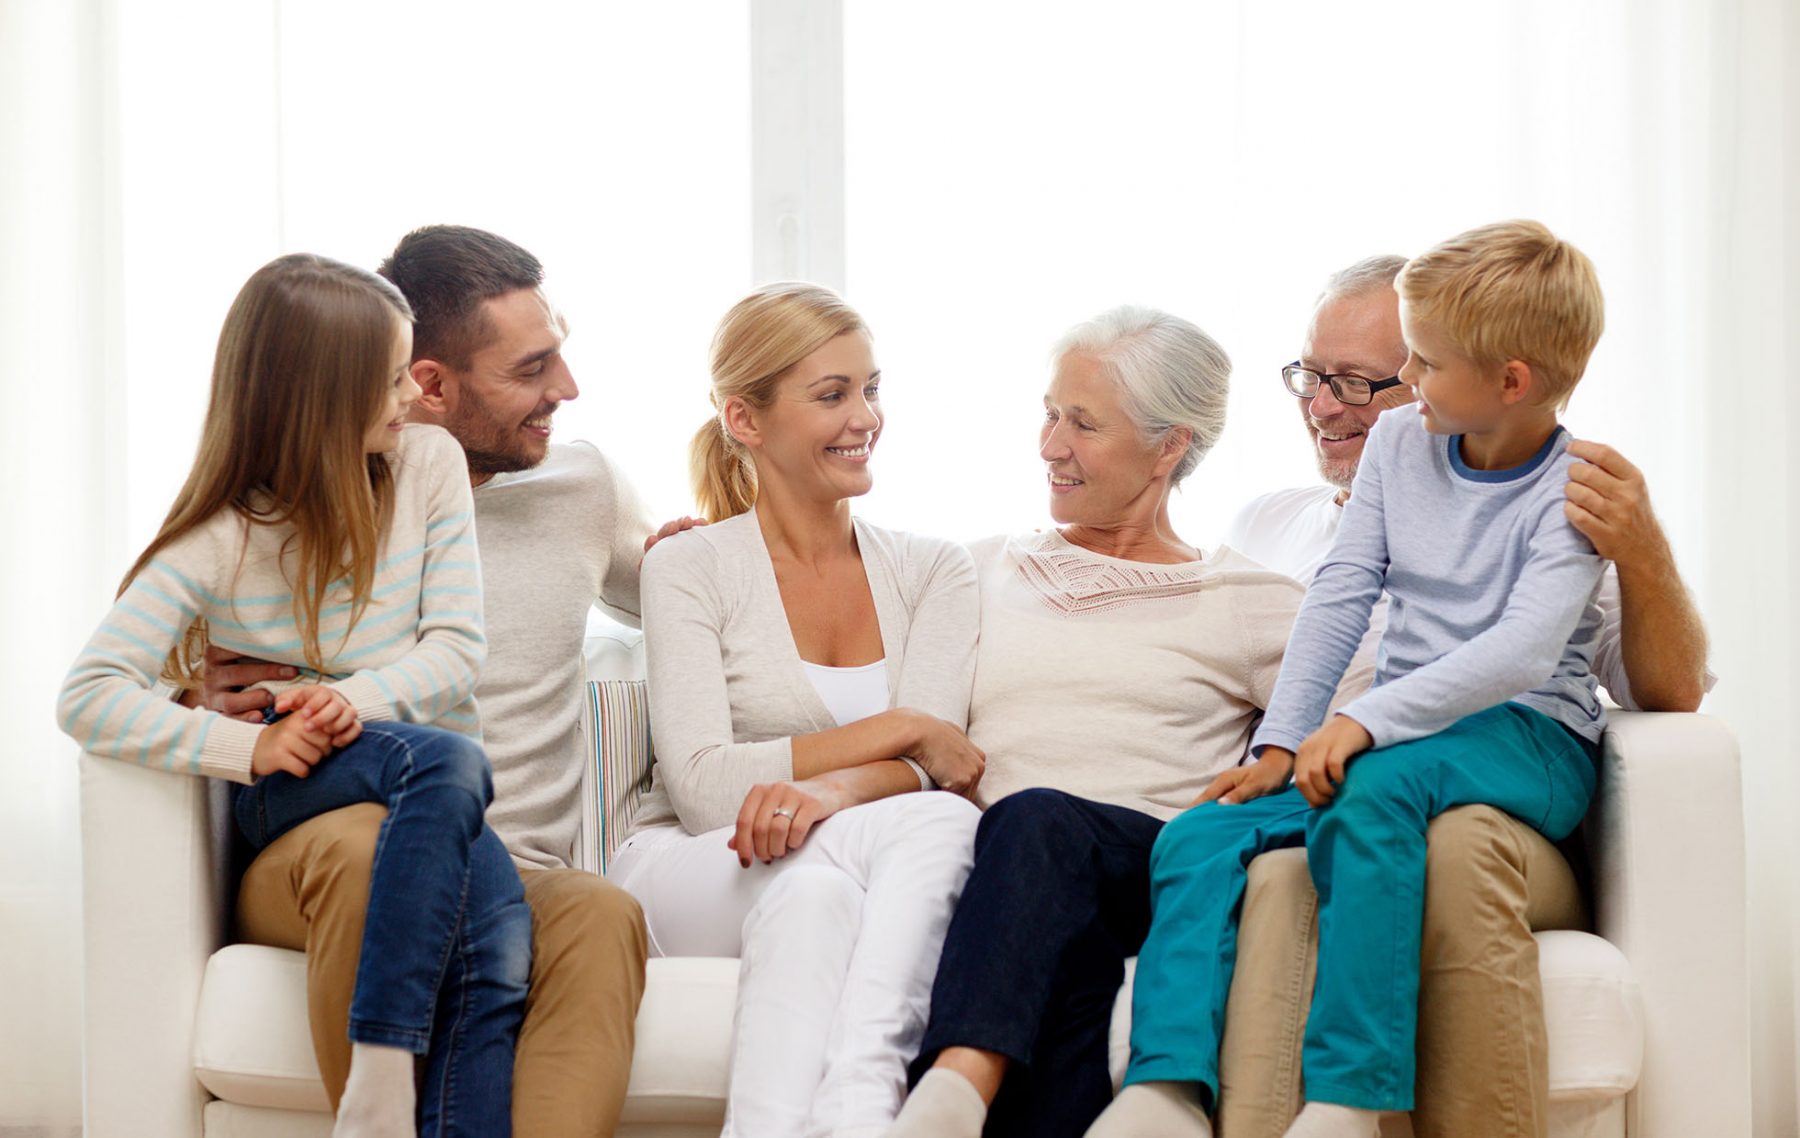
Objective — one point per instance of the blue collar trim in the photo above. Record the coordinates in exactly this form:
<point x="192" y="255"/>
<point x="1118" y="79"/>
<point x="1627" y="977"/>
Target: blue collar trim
<point x="1512" y="473"/>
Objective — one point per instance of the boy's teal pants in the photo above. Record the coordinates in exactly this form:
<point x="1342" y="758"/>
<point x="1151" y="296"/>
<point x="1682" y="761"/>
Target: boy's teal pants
<point x="1366" y="850"/>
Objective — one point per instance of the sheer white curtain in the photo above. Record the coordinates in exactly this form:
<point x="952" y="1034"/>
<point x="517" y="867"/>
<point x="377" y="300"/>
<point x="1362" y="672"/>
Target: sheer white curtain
<point x="1007" y="168"/>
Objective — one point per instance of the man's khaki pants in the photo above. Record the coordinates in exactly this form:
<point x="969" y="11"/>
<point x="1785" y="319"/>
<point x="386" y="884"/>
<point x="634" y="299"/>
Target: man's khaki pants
<point x="1490" y="881"/>
<point x="309" y="889"/>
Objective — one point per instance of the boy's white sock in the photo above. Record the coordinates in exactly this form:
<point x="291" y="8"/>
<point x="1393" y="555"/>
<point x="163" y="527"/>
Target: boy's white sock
<point x="1153" y="1110"/>
<point x="943" y="1105"/>
<point x="1329" y="1120"/>
<point x="379" y="1097"/>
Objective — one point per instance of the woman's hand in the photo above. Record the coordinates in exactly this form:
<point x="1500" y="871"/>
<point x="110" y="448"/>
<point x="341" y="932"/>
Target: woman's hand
<point x="953" y="762"/>
<point x="1268" y="774"/>
<point x="1319" y="767"/>
<point x="776" y="817"/>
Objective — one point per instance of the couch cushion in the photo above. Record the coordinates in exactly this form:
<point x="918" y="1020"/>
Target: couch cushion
<point x="1593" y="1017"/>
<point x="252" y="1044"/>
<point x="253" y="1047"/>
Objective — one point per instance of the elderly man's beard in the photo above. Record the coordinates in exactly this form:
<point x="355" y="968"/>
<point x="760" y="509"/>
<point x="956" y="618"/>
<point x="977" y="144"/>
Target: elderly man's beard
<point x="1340" y="472"/>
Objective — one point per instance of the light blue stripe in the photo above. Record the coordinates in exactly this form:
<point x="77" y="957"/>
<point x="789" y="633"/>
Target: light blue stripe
<point x="126" y="665"/>
<point x="73" y="719"/>
<point x="125" y="727"/>
<point x="447" y="566"/>
<point x="327" y="611"/>
<point x="188" y="612"/>
<point x="411" y="630"/>
<point x="447" y="542"/>
<point x="94" y="735"/>
<point x="387" y="692"/>
<point x="206" y="727"/>
<point x="450" y="591"/>
<point x="154" y="622"/>
<point x="154" y="734"/>
<point x="149" y="649"/>
<point x="453" y="519"/>
<point x="345" y="652"/>
<point x="288" y="597"/>
<point x="398" y="668"/>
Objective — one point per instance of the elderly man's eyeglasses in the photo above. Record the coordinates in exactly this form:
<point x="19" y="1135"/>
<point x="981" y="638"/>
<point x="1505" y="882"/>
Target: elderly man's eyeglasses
<point x="1351" y="390"/>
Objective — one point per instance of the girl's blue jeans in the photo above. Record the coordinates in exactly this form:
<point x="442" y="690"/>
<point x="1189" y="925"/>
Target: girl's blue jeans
<point x="446" y="951"/>
<point x="1366" y="849"/>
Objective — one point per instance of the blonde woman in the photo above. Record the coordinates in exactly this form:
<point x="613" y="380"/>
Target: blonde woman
<point x="808" y="673"/>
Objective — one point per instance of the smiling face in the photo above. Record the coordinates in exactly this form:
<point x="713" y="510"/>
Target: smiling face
<point x="815" y="439"/>
<point x="1102" y="470"/>
<point x="1456" y="394"/>
<point x="500" y="406"/>
<point x="398" y="396"/>
<point x="1358" y="335"/>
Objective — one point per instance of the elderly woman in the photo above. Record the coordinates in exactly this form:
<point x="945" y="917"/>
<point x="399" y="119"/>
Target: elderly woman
<point x="1119" y="670"/>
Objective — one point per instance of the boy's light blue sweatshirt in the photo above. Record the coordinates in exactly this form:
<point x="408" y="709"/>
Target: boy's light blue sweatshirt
<point x="1491" y="595"/>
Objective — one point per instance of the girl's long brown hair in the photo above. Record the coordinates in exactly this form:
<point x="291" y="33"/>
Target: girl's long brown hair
<point x="301" y="372"/>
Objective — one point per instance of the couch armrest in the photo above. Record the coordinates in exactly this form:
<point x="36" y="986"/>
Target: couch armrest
<point x="1666" y="836"/>
<point x="154" y="863"/>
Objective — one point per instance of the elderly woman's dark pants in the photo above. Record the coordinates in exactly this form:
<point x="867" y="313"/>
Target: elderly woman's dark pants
<point x="1059" y="898"/>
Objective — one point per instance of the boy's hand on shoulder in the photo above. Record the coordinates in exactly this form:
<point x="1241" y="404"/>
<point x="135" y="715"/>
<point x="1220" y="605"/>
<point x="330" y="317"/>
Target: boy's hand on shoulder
<point x="1319" y="765"/>
<point x="1268" y="774"/>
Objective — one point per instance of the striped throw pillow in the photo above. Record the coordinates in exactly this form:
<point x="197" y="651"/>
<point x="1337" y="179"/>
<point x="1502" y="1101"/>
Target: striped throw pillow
<point x="618" y="712"/>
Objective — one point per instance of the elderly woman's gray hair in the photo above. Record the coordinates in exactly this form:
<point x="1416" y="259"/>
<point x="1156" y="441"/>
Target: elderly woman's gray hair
<point x="1170" y="373"/>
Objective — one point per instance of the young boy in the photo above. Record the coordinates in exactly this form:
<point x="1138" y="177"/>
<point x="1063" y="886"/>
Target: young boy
<point x="1482" y="694"/>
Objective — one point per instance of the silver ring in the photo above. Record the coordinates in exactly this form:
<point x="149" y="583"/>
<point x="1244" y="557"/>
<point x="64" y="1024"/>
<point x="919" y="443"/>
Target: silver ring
<point x="783" y="812"/>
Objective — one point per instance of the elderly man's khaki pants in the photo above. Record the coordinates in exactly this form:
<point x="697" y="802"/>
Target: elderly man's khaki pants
<point x="309" y="889"/>
<point x="1483" y="1070"/>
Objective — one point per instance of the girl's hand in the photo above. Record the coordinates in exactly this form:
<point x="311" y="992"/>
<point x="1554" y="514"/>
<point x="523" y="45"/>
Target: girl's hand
<point x="291" y="745"/>
<point x="777" y="816"/>
<point x="324" y="709"/>
<point x="1268" y="774"/>
<point x="953" y="762"/>
<point x="1319" y="767"/>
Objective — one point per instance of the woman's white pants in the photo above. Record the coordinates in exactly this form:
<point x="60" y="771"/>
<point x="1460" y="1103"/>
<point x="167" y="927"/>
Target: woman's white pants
<point x="837" y="942"/>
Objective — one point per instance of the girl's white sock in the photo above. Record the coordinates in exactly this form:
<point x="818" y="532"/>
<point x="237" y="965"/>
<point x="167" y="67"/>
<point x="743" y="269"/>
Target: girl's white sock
<point x="1153" y="1110"/>
<point x="379" y="1097"/>
<point x="943" y="1105"/>
<point x="1329" y="1120"/>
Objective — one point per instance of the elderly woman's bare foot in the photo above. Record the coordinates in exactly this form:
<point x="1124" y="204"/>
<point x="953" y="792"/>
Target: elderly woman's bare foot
<point x="1153" y="1110"/>
<point x="943" y="1105"/>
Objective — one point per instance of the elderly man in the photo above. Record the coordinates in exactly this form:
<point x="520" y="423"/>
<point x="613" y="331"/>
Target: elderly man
<point x="559" y="530"/>
<point x="1491" y="880"/>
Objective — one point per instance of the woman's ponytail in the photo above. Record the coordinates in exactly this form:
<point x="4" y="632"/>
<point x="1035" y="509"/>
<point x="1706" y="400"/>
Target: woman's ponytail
<point x="724" y="481"/>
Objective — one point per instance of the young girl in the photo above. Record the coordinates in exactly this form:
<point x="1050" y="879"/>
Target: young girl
<point x="318" y="531"/>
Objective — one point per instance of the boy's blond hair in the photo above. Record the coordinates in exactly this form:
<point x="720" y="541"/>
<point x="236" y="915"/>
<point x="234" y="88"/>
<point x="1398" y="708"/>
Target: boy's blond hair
<point x="1511" y="291"/>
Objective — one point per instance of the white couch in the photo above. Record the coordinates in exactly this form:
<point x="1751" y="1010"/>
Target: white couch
<point x="185" y="1035"/>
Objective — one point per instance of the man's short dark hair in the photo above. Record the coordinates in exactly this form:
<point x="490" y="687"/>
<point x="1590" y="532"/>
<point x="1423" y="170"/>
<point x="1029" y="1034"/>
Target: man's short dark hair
<point x="446" y="272"/>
